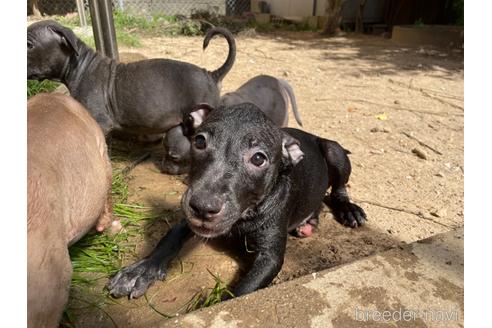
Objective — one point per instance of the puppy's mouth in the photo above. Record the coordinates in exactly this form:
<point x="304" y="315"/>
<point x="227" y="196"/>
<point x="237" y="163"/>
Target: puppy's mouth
<point x="206" y="229"/>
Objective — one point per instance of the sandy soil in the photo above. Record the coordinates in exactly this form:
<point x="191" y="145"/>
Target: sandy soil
<point x="383" y="102"/>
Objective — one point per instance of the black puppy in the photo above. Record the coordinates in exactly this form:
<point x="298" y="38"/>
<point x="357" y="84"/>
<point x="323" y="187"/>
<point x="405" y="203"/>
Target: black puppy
<point x="253" y="179"/>
<point x="144" y="97"/>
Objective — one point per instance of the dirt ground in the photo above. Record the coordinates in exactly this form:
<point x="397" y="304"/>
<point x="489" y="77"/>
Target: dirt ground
<point x="389" y="105"/>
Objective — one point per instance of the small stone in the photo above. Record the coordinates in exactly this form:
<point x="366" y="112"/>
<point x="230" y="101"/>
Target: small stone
<point x="285" y="73"/>
<point x="439" y="174"/>
<point x="449" y="262"/>
<point x="378" y="129"/>
<point x="442" y="212"/>
<point x="420" y="153"/>
<point x="439" y="213"/>
<point x="396" y="102"/>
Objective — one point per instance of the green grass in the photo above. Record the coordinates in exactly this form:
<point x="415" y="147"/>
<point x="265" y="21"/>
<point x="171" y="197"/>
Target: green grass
<point x="155" y="24"/>
<point x="35" y="87"/>
<point x="209" y="296"/>
<point x="123" y="25"/>
<point x="127" y="39"/>
<point x="70" y="21"/>
<point x="102" y="253"/>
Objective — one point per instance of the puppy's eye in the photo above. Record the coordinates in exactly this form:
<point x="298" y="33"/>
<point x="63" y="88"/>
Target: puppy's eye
<point x="200" y="142"/>
<point x="258" y="159"/>
<point x="30" y="45"/>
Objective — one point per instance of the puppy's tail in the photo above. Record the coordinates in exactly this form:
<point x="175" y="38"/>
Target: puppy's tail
<point x="219" y="73"/>
<point x="292" y="98"/>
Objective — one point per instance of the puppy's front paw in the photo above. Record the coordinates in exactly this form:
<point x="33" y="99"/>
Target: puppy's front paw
<point x="135" y="279"/>
<point x="349" y="214"/>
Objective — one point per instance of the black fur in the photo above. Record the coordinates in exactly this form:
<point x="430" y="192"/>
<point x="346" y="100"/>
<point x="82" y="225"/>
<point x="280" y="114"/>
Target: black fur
<point x="229" y="195"/>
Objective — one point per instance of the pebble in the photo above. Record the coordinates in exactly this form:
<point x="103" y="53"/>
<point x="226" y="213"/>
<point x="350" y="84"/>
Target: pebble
<point x="420" y="153"/>
<point x="396" y="102"/>
<point x="439" y="213"/>
<point x="377" y="129"/>
<point x="439" y="174"/>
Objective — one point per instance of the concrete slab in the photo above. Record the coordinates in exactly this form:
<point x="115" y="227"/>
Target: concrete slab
<point x="416" y="285"/>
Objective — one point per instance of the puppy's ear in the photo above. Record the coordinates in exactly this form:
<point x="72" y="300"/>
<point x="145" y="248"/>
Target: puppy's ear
<point x="195" y="118"/>
<point x="291" y="150"/>
<point x="68" y="37"/>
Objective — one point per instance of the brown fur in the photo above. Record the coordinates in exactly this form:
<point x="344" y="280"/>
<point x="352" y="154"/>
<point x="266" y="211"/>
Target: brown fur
<point x="69" y="190"/>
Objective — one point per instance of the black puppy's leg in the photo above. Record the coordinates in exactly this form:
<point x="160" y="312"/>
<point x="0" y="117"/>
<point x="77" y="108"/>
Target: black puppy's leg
<point x="134" y="280"/>
<point x="270" y="247"/>
<point x="339" y="169"/>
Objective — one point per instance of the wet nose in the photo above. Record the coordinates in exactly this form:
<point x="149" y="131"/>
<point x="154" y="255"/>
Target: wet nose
<point x="206" y="207"/>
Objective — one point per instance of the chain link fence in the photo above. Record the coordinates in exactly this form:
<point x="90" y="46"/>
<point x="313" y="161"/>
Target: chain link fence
<point x="148" y="7"/>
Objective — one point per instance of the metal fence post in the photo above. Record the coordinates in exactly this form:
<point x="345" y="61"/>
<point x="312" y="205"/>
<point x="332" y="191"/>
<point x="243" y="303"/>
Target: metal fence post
<point x="81" y="11"/>
<point x="103" y="28"/>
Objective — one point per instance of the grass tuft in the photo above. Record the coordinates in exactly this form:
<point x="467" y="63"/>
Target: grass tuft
<point x="101" y="253"/>
<point x="34" y="87"/>
<point x="209" y="296"/>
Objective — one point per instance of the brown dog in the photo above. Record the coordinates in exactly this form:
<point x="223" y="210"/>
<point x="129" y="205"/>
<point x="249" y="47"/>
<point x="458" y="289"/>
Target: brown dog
<point x="68" y="192"/>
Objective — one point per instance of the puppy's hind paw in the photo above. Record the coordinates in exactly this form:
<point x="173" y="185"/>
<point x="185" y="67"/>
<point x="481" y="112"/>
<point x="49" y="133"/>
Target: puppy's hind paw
<point x="134" y="280"/>
<point x="349" y="214"/>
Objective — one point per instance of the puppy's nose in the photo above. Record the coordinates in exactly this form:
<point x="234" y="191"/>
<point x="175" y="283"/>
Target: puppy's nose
<point x="206" y="208"/>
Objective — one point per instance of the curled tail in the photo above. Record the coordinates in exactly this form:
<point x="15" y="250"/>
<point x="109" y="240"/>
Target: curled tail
<point x="292" y="98"/>
<point x="219" y="73"/>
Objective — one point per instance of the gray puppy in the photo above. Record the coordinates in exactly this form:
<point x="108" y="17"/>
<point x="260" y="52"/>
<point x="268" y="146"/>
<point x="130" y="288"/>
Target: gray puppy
<point x="145" y="97"/>
<point x="268" y="93"/>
